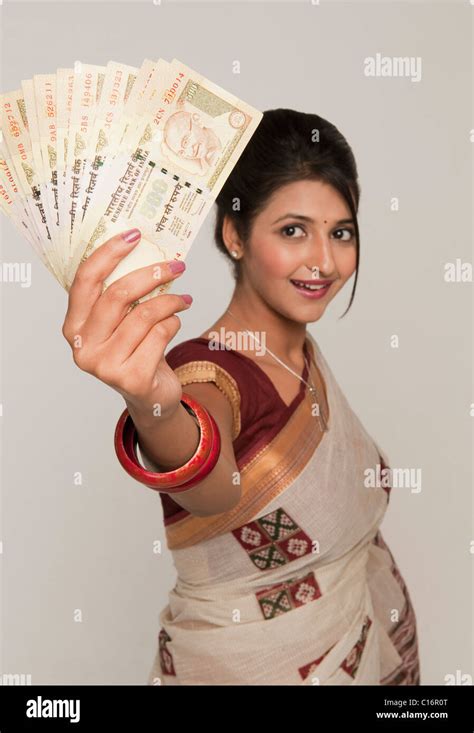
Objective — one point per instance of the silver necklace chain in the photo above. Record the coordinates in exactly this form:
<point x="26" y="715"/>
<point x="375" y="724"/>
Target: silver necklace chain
<point x="311" y="388"/>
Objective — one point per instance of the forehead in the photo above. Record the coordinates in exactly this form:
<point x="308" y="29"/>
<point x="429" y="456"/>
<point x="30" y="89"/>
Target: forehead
<point x="311" y="198"/>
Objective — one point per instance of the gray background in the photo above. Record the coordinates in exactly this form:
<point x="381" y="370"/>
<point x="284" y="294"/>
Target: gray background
<point x="90" y="546"/>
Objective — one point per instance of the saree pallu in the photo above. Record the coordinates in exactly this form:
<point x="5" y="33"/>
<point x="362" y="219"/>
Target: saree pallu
<point x="295" y="585"/>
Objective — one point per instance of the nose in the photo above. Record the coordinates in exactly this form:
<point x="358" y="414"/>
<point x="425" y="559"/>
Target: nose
<point x="320" y="255"/>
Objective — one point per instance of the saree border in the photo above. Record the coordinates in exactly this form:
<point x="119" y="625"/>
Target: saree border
<point x="264" y="477"/>
<point x="209" y="371"/>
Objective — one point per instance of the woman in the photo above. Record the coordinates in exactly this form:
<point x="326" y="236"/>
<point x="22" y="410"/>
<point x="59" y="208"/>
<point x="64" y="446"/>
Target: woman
<point x="283" y="576"/>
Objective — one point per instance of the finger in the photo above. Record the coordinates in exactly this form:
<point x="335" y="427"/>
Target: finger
<point x="89" y="279"/>
<point x="144" y="361"/>
<point x="138" y="323"/>
<point x="114" y="304"/>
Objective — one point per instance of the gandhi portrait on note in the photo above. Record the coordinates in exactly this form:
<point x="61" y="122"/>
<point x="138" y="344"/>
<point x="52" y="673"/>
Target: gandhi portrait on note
<point x="187" y="140"/>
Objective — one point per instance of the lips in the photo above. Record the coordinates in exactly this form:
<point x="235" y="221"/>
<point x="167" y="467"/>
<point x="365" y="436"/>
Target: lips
<point x="312" y="288"/>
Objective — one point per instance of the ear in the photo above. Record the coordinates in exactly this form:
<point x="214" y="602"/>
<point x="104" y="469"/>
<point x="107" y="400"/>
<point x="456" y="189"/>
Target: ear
<point x="230" y="237"/>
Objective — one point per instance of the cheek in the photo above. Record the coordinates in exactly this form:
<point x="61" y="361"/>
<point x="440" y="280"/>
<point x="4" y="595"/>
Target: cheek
<point x="345" y="258"/>
<point x="268" y="256"/>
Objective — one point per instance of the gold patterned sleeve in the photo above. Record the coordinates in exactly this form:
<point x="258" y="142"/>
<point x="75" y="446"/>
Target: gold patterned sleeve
<point x="208" y="371"/>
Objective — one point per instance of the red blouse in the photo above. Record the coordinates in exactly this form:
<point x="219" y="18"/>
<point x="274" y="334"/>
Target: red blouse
<point x="259" y="411"/>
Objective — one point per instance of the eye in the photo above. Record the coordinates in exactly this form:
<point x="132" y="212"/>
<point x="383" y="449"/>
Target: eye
<point x="184" y="143"/>
<point x="349" y="232"/>
<point x="291" y="227"/>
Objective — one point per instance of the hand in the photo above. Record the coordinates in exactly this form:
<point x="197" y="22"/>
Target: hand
<point x="125" y="348"/>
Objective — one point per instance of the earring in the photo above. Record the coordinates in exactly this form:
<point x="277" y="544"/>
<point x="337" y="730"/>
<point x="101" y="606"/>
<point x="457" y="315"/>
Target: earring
<point x="234" y="253"/>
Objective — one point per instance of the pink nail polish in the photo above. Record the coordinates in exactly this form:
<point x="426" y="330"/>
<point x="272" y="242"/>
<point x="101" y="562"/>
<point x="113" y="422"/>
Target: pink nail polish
<point x="187" y="298"/>
<point x="133" y="235"/>
<point x="177" y="266"/>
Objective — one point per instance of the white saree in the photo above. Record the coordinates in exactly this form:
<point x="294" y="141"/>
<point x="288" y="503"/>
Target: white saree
<point x="295" y="585"/>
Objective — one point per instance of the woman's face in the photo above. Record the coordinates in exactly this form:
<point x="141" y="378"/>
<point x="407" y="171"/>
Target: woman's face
<point x="304" y="233"/>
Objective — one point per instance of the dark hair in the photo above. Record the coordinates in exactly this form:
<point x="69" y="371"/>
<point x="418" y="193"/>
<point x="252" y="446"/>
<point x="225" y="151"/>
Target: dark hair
<point x="287" y="146"/>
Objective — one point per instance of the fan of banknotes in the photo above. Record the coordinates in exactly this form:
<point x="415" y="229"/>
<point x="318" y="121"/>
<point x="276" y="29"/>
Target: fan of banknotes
<point x="91" y="151"/>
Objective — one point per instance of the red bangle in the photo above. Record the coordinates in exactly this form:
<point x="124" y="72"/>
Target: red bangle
<point x="180" y="479"/>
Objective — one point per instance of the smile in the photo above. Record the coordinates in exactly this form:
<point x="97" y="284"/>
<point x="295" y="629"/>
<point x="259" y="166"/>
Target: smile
<point x="311" y="290"/>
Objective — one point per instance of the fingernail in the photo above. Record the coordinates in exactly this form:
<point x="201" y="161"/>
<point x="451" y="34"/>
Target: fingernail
<point x="177" y="266"/>
<point x="133" y="235"/>
<point x="187" y="298"/>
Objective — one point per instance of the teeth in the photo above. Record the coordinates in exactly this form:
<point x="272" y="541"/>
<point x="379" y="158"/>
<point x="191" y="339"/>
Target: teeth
<point x="309" y="287"/>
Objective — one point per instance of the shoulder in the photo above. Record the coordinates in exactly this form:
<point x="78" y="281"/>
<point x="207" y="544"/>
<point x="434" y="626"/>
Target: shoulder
<point x="200" y="357"/>
<point x="194" y="360"/>
<point x="200" y="349"/>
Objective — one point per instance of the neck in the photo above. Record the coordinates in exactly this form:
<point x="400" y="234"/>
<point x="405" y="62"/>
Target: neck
<point x="282" y="335"/>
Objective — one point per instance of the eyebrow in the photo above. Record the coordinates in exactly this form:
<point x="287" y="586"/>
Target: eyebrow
<point x="308" y="218"/>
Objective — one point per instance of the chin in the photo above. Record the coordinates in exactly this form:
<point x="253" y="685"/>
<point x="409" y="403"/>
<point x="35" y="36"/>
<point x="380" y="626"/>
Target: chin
<point x="302" y="315"/>
<point x="316" y="317"/>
